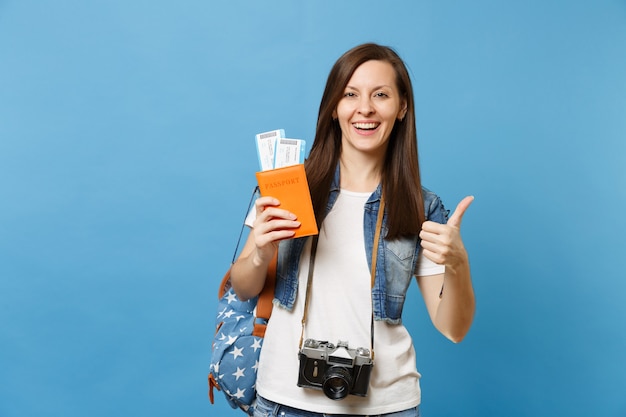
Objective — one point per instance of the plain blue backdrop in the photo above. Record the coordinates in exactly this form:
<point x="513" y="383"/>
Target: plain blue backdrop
<point x="127" y="161"/>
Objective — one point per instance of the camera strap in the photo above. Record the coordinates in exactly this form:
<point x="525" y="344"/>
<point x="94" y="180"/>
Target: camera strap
<point x="379" y="224"/>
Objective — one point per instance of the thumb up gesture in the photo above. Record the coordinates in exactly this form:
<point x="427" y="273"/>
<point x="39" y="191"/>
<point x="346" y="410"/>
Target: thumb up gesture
<point x="442" y="243"/>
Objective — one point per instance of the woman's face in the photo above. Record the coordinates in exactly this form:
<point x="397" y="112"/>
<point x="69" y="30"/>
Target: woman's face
<point x="370" y="106"/>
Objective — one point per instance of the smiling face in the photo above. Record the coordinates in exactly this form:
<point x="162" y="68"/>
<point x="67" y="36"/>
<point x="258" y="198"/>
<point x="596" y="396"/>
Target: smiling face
<point x="370" y="106"/>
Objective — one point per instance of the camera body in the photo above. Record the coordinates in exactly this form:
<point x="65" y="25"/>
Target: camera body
<point x="335" y="369"/>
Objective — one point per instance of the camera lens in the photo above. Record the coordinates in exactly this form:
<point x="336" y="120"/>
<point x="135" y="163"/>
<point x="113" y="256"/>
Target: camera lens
<point x="336" y="383"/>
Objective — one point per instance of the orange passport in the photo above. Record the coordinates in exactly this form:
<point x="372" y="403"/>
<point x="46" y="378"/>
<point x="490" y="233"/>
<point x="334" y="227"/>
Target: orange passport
<point x="290" y="186"/>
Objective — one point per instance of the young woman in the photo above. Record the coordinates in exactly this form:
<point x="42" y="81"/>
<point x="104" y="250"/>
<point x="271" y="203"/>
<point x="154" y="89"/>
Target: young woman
<point x="363" y="159"/>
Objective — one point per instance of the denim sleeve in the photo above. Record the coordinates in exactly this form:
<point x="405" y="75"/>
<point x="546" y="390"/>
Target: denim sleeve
<point x="435" y="211"/>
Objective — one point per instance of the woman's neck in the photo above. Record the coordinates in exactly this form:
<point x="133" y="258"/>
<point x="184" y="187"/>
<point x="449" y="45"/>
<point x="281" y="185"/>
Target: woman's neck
<point x="360" y="175"/>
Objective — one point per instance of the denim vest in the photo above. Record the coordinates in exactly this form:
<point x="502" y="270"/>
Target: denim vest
<point x="395" y="264"/>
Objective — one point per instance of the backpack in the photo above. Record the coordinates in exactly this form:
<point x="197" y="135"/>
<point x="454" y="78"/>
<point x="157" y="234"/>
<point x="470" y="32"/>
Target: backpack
<point x="239" y="331"/>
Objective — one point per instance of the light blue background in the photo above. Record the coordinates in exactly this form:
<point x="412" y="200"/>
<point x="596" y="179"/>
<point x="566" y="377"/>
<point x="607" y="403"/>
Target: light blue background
<point x="127" y="160"/>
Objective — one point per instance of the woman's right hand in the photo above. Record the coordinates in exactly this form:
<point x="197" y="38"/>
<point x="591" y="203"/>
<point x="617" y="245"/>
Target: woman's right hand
<point x="272" y="224"/>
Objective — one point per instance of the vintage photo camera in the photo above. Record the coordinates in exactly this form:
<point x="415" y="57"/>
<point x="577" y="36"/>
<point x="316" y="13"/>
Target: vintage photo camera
<point x="336" y="370"/>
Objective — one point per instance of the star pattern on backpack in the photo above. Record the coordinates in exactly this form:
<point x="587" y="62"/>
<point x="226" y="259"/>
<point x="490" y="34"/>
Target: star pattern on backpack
<point x="234" y="340"/>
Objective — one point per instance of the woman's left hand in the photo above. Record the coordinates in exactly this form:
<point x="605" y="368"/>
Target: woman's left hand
<point x="442" y="243"/>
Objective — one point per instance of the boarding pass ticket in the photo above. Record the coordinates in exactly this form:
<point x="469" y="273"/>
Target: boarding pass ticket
<point x="288" y="152"/>
<point x="276" y="151"/>
<point x="266" y="147"/>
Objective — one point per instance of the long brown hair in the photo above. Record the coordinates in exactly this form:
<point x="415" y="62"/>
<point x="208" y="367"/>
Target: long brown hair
<point x="400" y="177"/>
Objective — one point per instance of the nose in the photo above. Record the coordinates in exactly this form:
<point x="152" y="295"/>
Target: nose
<point x="365" y="106"/>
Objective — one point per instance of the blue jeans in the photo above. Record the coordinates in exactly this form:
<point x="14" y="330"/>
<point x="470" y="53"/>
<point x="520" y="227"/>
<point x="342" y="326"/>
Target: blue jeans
<point x="267" y="408"/>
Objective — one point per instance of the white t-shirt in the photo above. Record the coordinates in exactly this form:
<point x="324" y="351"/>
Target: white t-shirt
<point x="340" y="308"/>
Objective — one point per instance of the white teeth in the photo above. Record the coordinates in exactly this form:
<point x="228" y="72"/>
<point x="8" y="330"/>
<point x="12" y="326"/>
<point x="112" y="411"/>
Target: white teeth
<point x="366" y="125"/>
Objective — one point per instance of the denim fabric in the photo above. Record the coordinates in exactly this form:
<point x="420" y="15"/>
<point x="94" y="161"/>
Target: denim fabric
<point x="266" y="408"/>
<point x="395" y="264"/>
